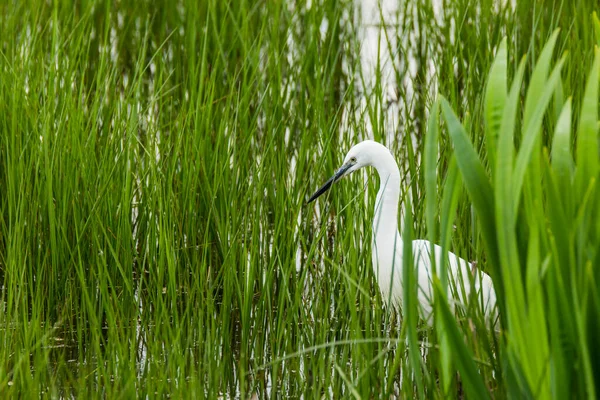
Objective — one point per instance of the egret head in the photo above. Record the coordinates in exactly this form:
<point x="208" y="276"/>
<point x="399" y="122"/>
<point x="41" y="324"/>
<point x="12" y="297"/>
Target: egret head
<point x="360" y="155"/>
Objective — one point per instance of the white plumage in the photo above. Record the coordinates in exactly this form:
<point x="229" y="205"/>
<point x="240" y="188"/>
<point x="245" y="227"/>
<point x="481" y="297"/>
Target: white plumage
<point x="388" y="246"/>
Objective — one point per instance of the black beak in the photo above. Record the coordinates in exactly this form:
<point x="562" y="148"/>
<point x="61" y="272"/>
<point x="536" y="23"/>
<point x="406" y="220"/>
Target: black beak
<point x="336" y="177"/>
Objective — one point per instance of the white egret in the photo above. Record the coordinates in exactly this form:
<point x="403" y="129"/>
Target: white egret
<point x="388" y="246"/>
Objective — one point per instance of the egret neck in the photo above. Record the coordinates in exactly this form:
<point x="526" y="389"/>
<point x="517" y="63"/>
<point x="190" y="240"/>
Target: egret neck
<point x="387" y="242"/>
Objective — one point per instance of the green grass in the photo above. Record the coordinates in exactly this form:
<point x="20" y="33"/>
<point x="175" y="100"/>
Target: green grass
<point x="155" y="159"/>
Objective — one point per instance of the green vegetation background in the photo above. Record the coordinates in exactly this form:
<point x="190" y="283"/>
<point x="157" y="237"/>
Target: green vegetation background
<point x="155" y="159"/>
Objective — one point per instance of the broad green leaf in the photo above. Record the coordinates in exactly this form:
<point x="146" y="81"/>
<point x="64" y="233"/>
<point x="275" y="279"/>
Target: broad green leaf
<point x="587" y="132"/>
<point x="495" y="98"/>
<point x="504" y="211"/>
<point x="518" y="386"/>
<point x="596" y="23"/>
<point x="580" y="317"/>
<point x="559" y="321"/>
<point x="538" y="81"/>
<point x="593" y="322"/>
<point x="470" y="377"/>
<point x="528" y="162"/>
<point x="532" y="131"/>
<point x="536" y="344"/>
<point x="562" y="160"/>
<point x="559" y="99"/>
<point x="504" y="164"/>
<point x="479" y="188"/>
<point x="478" y="185"/>
<point x="560" y="224"/>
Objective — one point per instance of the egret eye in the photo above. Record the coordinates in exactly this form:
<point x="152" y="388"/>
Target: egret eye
<point x="353" y="159"/>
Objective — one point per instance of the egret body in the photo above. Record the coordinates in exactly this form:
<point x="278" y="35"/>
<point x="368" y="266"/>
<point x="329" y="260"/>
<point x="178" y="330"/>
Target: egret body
<point x="388" y="246"/>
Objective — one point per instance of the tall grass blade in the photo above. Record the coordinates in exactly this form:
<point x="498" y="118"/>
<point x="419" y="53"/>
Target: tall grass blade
<point x="411" y="304"/>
